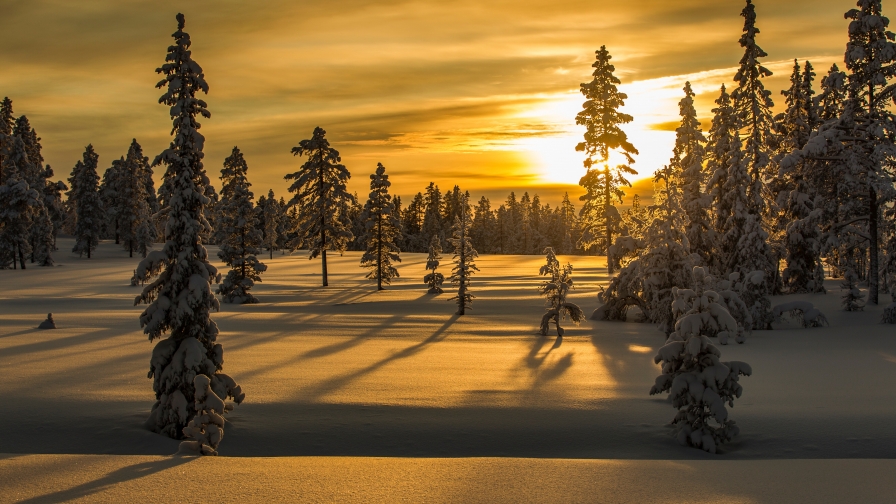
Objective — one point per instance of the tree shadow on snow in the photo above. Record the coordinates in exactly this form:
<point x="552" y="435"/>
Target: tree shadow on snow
<point x="123" y="475"/>
<point x="335" y="383"/>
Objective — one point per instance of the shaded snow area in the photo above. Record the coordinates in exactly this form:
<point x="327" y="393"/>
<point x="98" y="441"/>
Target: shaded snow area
<point x="347" y="371"/>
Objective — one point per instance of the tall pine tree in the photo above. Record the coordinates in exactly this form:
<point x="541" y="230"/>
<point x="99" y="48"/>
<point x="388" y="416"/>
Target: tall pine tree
<point x="180" y="298"/>
<point x="602" y="120"/>
<point x="464" y="257"/>
<point x="381" y="230"/>
<point x="322" y="197"/>
<point x="89" y="214"/>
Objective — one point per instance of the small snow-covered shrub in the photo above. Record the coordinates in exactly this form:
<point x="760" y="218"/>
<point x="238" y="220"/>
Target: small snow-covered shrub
<point x="803" y="311"/>
<point x="555" y="290"/>
<point x="853" y="300"/>
<point x="889" y="315"/>
<point x="700" y="385"/>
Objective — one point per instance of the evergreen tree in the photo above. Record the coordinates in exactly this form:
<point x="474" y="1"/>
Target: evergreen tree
<point x="483" y="228"/>
<point x="798" y="220"/>
<point x="112" y="200"/>
<point x="322" y="198"/>
<point x="412" y="223"/>
<point x="241" y="240"/>
<point x="753" y="105"/>
<point x="272" y="222"/>
<point x="42" y="236"/>
<point x="180" y="298"/>
<point x="89" y="212"/>
<point x="601" y="117"/>
<point x="434" y="279"/>
<point x="555" y="289"/>
<point x="17" y="203"/>
<point x="698" y="383"/>
<point x="136" y="217"/>
<point x="382" y="229"/>
<point x="464" y="255"/>
<point x="718" y="160"/>
<point x="871" y="60"/>
<point x="432" y="218"/>
<point x="687" y="163"/>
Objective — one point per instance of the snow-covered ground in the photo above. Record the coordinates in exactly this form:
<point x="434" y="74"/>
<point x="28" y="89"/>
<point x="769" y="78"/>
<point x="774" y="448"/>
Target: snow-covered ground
<point x="351" y="375"/>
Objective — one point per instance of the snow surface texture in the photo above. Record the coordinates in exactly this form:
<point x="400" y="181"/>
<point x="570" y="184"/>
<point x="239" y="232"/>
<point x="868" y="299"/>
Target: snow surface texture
<point x="698" y="383"/>
<point x="349" y="372"/>
<point x="117" y="479"/>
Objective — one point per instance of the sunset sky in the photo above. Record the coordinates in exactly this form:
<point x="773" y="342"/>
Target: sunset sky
<point x="450" y="92"/>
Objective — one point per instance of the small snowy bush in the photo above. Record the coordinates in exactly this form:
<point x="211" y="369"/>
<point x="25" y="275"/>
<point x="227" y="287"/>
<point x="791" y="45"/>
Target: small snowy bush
<point x="804" y="311"/>
<point x="699" y="383"/>
<point x="555" y="290"/>
<point x="889" y="315"/>
<point x="853" y="300"/>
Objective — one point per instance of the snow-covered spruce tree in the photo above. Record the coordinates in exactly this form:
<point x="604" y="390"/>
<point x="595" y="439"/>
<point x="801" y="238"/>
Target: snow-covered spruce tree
<point x="852" y="299"/>
<point x="602" y="120"/>
<point x="432" y="217"/>
<point x="555" y="289"/>
<point x="699" y="383"/>
<point x="464" y="255"/>
<point x="139" y="231"/>
<point x="743" y="243"/>
<point x="718" y="161"/>
<point x="322" y="198"/>
<point x="687" y="164"/>
<point x="753" y="106"/>
<point x="434" y="279"/>
<point x="89" y="212"/>
<point x="241" y="239"/>
<point x="17" y="203"/>
<point x="180" y="298"/>
<point x="111" y="199"/>
<point x="42" y="232"/>
<point x="871" y="60"/>
<point x="381" y="230"/>
<point x="798" y="221"/>
<point x="659" y="261"/>
<point x="126" y="202"/>
<point x="272" y="222"/>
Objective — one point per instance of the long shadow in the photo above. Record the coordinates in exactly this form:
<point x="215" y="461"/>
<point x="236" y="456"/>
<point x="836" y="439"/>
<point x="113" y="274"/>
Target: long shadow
<point x="351" y="343"/>
<point x="19" y="333"/>
<point x="535" y="362"/>
<point x="338" y="382"/>
<point x="116" y="477"/>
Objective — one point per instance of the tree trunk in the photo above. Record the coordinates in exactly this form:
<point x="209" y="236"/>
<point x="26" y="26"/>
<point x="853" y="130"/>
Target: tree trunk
<point x="607" y="216"/>
<point x="21" y="257"/>
<point x="873" y="274"/>
<point x="379" y="253"/>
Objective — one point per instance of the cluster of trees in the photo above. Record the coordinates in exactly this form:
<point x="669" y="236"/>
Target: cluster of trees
<point x="31" y="207"/>
<point x="762" y="201"/>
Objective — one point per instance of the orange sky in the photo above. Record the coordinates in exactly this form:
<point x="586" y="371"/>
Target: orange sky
<point x="483" y="96"/>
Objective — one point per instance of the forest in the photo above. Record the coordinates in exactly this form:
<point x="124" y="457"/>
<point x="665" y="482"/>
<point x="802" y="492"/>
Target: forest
<point x="753" y="205"/>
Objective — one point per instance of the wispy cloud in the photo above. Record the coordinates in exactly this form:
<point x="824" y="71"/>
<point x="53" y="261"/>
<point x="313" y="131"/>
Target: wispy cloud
<point x="480" y="94"/>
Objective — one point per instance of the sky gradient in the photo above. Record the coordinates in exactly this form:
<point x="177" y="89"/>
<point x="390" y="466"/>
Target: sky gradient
<point x="452" y="92"/>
